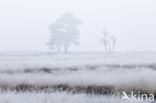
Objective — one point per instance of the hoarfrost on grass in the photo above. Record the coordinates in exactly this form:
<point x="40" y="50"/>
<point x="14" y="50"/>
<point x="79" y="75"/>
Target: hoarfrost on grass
<point x="129" y="71"/>
<point x="58" y="97"/>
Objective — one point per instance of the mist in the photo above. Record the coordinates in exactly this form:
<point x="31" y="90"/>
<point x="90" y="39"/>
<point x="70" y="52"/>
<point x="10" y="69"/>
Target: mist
<point x="24" y="24"/>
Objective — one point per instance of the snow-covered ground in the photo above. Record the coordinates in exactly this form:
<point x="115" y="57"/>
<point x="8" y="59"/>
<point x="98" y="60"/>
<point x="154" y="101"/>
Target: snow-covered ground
<point x="113" y="72"/>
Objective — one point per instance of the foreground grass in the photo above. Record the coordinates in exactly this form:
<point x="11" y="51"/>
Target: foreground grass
<point x="58" y="97"/>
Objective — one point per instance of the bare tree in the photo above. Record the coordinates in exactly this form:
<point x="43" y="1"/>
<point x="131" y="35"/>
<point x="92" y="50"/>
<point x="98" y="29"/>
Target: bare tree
<point x="105" y="40"/>
<point x="108" y="41"/>
<point x="64" y="32"/>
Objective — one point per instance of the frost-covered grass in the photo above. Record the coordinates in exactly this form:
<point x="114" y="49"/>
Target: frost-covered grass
<point x="85" y="72"/>
<point x="58" y="97"/>
<point x="120" y="78"/>
<point x="18" y="62"/>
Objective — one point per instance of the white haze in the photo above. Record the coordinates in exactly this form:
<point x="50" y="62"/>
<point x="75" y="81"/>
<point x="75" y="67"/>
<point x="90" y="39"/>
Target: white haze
<point x="24" y="23"/>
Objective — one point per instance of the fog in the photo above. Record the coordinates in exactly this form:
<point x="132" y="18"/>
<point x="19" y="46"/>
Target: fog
<point x="24" y="23"/>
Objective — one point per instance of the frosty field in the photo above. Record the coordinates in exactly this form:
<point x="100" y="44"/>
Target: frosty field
<point x="75" y="77"/>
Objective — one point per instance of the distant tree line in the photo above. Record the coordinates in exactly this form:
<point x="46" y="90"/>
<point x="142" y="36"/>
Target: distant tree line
<point x="65" y="32"/>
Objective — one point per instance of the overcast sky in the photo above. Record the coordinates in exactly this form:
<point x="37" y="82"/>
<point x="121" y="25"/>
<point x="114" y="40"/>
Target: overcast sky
<point x="24" y="23"/>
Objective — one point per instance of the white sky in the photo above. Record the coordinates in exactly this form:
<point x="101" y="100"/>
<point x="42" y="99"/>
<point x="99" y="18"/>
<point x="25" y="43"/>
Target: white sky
<point x="24" y="23"/>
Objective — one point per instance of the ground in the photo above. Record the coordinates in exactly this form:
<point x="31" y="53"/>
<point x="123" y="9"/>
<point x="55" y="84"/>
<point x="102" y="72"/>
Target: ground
<point x="75" y="77"/>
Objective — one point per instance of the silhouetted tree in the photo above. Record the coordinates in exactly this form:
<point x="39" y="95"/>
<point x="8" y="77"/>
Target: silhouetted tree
<point x="64" y="32"/>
